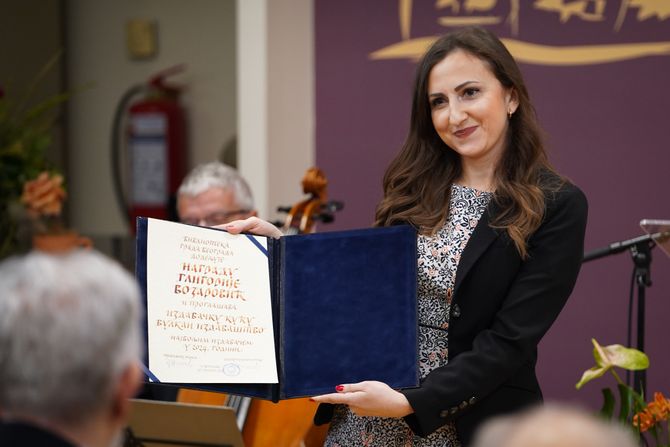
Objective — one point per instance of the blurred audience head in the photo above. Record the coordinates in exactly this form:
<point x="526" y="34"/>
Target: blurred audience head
<point x="214" y="194"/>
<point x="553" y="425"/>
<point x="69" y="344"/>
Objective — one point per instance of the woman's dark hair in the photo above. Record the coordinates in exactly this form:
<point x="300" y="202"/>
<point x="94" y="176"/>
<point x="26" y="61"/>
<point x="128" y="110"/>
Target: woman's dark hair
<point x="417" y="183"/>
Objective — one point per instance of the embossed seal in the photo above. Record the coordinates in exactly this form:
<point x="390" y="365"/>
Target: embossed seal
<point x="231" y="369"/>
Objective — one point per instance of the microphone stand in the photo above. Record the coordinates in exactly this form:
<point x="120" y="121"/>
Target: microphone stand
<point x="641" y="253"/>
<point x="640" y="249"/>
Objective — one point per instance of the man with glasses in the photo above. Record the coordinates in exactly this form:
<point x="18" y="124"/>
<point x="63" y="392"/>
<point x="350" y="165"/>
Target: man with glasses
<point x="211" y="194"/>
<point x="214" y="194"/>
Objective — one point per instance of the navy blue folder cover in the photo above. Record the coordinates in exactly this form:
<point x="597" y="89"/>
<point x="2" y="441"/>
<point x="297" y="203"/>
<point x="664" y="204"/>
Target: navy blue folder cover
<point x="344" y="310"/>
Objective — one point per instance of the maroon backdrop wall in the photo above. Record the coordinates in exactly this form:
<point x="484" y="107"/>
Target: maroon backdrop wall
<point x="607" y="129"/>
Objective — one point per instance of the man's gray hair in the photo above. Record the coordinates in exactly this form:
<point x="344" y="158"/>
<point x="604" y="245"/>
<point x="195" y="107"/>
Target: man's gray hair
<point x="217" y="175"/>
<point x="69" y="327"/>
<point x="553" y="425"/>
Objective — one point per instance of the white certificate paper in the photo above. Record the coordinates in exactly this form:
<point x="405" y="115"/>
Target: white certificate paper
<point x="208" y="306"/>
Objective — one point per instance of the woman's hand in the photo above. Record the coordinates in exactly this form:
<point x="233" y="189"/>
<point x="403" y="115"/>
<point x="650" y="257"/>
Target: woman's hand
<point x="369" y="398"/>
<point x="252" y="225"/>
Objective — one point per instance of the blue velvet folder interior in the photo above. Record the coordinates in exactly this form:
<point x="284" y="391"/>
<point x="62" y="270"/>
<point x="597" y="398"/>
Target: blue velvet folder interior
<point x="344" y="310"/>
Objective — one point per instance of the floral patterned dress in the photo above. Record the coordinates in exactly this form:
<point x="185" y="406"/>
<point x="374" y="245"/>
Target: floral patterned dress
<point x="438" y="258"/>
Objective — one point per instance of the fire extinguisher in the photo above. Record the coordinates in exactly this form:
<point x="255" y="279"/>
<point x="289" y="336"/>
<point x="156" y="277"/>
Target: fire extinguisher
<point x="153" y="150"/>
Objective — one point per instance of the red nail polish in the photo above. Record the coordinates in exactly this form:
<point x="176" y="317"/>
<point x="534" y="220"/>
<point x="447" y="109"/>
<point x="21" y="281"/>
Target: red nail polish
<point x="339" y="388"/>
<point x="311" y="400"/>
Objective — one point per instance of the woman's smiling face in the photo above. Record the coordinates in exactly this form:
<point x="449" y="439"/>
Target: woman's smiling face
<point x="470" y="107"/>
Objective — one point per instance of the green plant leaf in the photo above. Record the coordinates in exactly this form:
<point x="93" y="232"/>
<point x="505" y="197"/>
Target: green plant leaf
<point x="626" y="396"/>
<point x="607" y="357"/>
<point x="607" y="409"/>
<point x="639" y="403"/>
<point x="599" y="354"/>
<point x="37" y="115"/>
<point x="627" y="358"/>
<point x="44" y="71"/>
<point x="620" y="356"/>
<point x="590" y="374"/>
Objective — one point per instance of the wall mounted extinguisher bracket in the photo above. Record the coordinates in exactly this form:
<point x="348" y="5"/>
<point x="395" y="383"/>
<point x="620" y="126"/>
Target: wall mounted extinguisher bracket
<point x="148" y="147"/>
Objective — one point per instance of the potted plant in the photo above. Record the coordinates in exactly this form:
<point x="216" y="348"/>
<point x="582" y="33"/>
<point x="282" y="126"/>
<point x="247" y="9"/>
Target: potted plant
<point x="649" y="421"/>
<point x="24" y="138"/>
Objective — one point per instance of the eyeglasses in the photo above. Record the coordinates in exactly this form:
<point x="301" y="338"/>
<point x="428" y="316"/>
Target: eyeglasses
<point x="214" y="219"/>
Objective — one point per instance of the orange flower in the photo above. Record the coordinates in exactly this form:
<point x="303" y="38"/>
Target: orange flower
<point x="660" y="407"/>
<point x="44" y="195"/>
<point x="657" y="410"/>
<point x="644" y="420"/>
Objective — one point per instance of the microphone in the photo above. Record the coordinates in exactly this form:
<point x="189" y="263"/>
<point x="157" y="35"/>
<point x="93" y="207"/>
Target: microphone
<point x="618" y="247"/>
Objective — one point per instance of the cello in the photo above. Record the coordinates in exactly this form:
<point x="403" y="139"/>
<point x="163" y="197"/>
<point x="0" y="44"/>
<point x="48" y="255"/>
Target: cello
<point x="300" y="218"/>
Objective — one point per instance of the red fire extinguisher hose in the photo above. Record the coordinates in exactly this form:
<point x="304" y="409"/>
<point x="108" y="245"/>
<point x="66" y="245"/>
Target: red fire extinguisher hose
<point x="119" y="111"/>
<point x="155" y="84"/>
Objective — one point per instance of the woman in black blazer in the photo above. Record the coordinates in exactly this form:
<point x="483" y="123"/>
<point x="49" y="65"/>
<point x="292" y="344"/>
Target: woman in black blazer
<point x="474" y="166"/>
<point x="502" y="307"/>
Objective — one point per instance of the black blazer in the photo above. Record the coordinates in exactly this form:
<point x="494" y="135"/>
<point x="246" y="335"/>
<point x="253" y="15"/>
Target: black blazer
<point x="502" y="306"/>
<point x="19" y="434"/>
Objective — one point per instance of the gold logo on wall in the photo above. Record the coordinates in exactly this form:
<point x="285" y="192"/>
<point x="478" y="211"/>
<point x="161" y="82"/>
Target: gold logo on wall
<point x="477" y="12"/>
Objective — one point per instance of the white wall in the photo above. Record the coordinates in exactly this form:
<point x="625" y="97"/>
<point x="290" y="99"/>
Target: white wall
<point x="199" y="33"/>
<point x="252" y="103"/>
<point x="291" y="98"/>
<point x="276" y="113"/>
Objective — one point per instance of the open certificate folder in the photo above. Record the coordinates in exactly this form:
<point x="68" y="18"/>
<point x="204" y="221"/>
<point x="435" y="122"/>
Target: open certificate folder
<point x="278" y="318"/>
